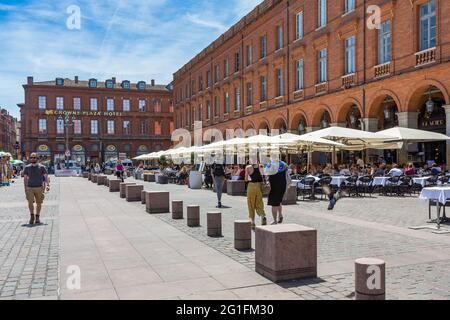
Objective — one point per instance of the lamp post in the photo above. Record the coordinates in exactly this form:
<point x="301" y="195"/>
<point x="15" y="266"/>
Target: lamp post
<point x="68" y="122"/>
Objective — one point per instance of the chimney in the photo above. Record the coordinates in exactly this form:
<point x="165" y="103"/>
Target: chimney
<point x="153" y="82"/>
<point x="114" y="80"/>
<point x="30" y="81"/>
<point x="76" y="79"/>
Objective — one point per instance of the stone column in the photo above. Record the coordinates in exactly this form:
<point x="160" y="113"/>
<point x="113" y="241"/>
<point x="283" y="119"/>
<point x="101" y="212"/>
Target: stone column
<point x="407" y="120"/>
<point x="371" y="125"/>
<point x="447" y="122"/>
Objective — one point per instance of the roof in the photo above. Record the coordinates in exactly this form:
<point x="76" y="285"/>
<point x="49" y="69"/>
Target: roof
<point x="101" y="84"/>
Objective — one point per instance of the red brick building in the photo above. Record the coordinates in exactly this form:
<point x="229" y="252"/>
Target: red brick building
<point x="8" y="133"/>
<point x="100" y="120"/>
<point x="305" y="64"/>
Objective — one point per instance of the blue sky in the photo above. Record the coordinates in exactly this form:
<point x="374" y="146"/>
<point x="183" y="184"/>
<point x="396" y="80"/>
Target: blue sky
<point x="130" y="39"/>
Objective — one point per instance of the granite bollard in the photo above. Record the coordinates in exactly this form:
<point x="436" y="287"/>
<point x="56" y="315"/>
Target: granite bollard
<point x="370" y="279"/>
<point x="85" y="175"/>
<point x="157" y="202"/>
<point x="290" y="197"/>
<point x="101" y="180"/>
<point x="143" y="196"/>
<point x="242" y="235"/>
<point x="133" y="192"/>
<point x="94" y="178"/>
<point x="214" y="224"/>
<point x="89" y="176"/>
<point x="122" y="188"/>
<point x="177" y="210"/>
<point x="286" y="252"/>
<point x="236" y="188"/>
<point x="193" y="216"/>
<point x="114" y="185"/>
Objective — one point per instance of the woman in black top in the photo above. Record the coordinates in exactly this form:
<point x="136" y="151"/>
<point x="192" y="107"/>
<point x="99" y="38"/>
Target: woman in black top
<point x="254" y="193"/>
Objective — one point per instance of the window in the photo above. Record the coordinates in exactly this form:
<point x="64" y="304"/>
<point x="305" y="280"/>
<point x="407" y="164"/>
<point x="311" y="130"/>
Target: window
<point x="126" y="127"/>
<point x="299" y="75"/>
<point x="42" y="126"/>
<point x="109" y="84"/>
<point x="263" y="47"/>
<point x="76" y="103"/>
<point x="59" y="82"/>
<point x="227" y="102"/>
<point x="141" y="85"/>
<point x="157" y="105"/>
<point x="249" y="94"/>
<point x="428" y="25"/>
<point x="350" y="55"/>
<point x="216" y="107"/>
<point x="384" y="42"/>
<point x="158" y="128"/>
<point x="279" y="82"/>
<point x="142" y="105"/>
<point x="201" y="112"/>
<point x="126" y="85"/>
<point x="193" y="86"/>
<point x="249" y="55"/>
<point x="349" y="5"/>
<point x="263" y="88"/>
<point x="93" y="83"/>
<point x="94" y="126"/>
<point x="237" y="96"/>
<point x="237" y="62"/>
<point x="143" y="127"/>
<point x="279" y="37"/>
<point x="59" y="126"/>
<point x="94" y="147"/>
<point x="77" y="126"/>
<point x="322" y="13"/>
<point x="59" y="103"/>
<point x="93" y="104"/>
<point x="200" y="83"/>
<point x="188" y="117"/>
<point x="42" y="102"/>
<point x="110" y="104"/>
<point x="208" y="110"/>
<point x="208" y="78"/>
<point x="194" y="115"/>
<point x="110" y="126"/>
<point x="322" y="64"/>
<point x="226" y="68"/>
<point x="126" y="105"/>
<point x="299" y="26"/>
<point x="216" y="73"/>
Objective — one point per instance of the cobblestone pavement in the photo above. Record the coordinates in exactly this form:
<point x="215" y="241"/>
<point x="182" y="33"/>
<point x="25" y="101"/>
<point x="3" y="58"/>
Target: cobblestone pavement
<point x="126" y="253"/>
<point x="28" y="255"/>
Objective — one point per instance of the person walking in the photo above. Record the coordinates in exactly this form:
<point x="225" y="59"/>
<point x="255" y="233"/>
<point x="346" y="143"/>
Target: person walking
<point x="277" y="171"/>
<point x="35" y="183"/>
<point x="255" y="202"/>
<point x="218" y="174"/>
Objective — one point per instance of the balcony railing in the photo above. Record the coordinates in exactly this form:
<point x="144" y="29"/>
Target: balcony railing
<point x="425" y="56"/>
<point x="382" y="70"/>
<point x="248" y="109"/>
<point x="299" y="94"/>
<point x="263" y="105"/>
<point x="321" y="87"/>
<point x="348" y="80"/>
<point x="279" y="100"/>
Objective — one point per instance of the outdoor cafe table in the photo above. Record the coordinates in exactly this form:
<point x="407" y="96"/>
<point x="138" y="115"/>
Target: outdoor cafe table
<point x="421" y="180"/>
<point x="438" y="194"/>
<point x="380" y="181"/>
<point x="338" y="180"/>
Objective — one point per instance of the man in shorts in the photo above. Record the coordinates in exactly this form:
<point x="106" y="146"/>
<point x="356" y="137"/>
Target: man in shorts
<point x="35" y="180"/>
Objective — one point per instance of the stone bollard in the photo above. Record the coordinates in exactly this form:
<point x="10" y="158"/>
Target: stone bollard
<point x="114" y="185"/>
<point x="151" y="178"/>
<point x="286" y="252"/>
<point x="157" y="202"/>
<point x="143" y="196"/>
<point x="101" y="180"/>
<point x="214" y="224"/>
<point x="122" y="189"/>
<point x="94" y="178"/>
<point x="193" y="216"/>
<point x="89" y="176"/>
<point x="290" y="197"/>
<point x="370" y="279"/>
<point x="133" y="192"/>
<point x="85" y="175"/>
<point x="242" y="235"/>
<point x="177" y="210"/>
<point x="236" y="188"/>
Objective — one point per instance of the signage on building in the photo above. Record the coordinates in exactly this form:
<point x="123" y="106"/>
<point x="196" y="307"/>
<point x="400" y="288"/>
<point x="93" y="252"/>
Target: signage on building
<point x="83" y="113"/>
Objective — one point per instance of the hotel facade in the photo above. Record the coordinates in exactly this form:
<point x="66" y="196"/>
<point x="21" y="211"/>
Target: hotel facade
<point x="93" y="121"/>
<point x="303" y="65"/>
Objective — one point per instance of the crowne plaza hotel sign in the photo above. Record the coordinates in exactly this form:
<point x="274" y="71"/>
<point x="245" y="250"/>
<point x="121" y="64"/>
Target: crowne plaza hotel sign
<point x="83" y="113"/>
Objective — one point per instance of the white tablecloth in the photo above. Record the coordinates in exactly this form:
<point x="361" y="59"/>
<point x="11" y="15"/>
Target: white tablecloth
<point x="296" y="183"/>
<point x="435" y="193"/>
<point x="338" y="180"/>
<point x="422" y="181"/>
<point x="380" y="181"/>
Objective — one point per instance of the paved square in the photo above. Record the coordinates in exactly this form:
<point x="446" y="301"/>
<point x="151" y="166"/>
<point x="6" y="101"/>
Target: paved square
<point x="125" y="253"/>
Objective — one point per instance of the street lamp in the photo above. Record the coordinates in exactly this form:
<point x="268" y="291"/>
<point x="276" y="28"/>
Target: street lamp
<point x="68" y="122"/>
<point x="430" y="103"/>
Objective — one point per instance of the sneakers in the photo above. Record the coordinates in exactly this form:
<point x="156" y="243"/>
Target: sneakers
<point x="219" y="205"/>
<point x="31" y="219"/>
<point x="280" y="220"/>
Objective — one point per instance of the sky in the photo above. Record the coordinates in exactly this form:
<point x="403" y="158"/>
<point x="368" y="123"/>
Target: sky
<point x="129" y="39"/>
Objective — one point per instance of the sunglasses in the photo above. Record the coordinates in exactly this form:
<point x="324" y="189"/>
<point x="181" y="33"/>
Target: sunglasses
<point x="33" y="158"/>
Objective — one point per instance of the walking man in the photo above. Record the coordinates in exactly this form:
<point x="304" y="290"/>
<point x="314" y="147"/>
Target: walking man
<point x="218" y="173"/>
<point x="35" y="180"/>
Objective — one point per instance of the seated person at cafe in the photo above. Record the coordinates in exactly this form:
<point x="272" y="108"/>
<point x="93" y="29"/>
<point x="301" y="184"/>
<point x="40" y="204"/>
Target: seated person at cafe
<point x="344" y="171"/>
<point x="409" y="170"/>
<point x="436" y="170"/>
<point x="395" y="171"/>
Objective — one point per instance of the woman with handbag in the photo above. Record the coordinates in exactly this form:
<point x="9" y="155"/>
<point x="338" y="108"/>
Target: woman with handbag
<point x="255" y="202"/>
<point x="279" y="180"/>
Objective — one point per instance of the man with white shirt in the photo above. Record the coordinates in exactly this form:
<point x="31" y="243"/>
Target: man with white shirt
<point x="395" y="171"/>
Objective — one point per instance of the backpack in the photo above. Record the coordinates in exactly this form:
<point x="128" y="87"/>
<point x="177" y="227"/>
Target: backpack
<point x="218" y="170"/>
